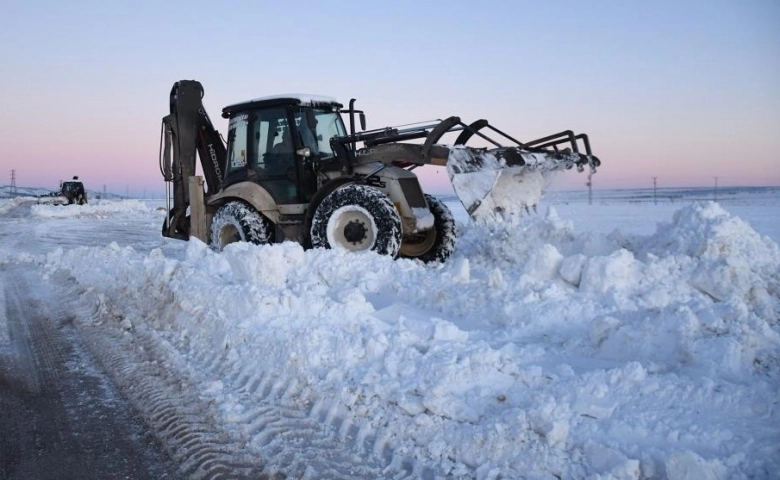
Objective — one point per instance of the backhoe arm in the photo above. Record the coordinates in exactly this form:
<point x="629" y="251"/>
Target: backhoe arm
<point x="185" y="131"/>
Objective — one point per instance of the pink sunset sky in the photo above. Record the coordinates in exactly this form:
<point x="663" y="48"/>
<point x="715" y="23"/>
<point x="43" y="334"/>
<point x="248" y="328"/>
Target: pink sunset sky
<point x="684" y="91"/>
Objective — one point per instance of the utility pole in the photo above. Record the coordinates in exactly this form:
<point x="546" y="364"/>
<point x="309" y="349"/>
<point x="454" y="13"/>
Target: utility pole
<point x="655" y="198"/>
<point x="590" y="188"/>
<point x="716" y="189"/>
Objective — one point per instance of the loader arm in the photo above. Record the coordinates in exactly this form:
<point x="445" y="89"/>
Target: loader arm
<point x="187" y="130"/>
<point x="508" y="177"/>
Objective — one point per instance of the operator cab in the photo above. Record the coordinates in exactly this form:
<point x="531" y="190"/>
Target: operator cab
<point x="280" y="142"/>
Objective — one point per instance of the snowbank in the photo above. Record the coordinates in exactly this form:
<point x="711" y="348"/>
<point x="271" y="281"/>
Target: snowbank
<point x="99" y="209"/>
<point x="535" y="351"/>
<point x="7" y="204"/>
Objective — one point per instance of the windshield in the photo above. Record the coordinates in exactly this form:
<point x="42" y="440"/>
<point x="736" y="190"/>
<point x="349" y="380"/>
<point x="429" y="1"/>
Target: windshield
<point x="317" y="127"/>
<point x="72" y="187"/>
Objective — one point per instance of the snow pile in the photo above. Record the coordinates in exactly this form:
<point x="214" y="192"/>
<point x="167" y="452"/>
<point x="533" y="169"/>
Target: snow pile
<point x="9" y="203"/>
<point x="732" y="259"/>
<point x="535" y="351"/>
<point x="101" y="209"/>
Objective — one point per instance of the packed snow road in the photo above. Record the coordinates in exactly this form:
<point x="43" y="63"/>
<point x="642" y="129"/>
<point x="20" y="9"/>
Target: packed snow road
<point x="616" y="341"/>
<point x="61" y="416"/>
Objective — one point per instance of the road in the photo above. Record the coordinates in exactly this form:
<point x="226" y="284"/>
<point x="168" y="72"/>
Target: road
<point x="79" y="400"/>
<point x="61" y="415"/>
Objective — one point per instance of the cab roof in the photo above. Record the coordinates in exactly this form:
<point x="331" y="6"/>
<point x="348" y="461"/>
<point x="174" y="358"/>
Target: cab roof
<point x="306" y="100"/>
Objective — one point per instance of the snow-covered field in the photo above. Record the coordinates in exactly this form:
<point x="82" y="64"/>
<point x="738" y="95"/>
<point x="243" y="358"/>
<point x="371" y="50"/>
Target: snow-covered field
<point x="623" y="339"/>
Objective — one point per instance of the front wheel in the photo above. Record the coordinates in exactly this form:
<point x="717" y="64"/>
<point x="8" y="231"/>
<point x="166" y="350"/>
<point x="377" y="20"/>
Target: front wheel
<point x="437" y="243"/>
<point x="357" y="218"/>
<point x="238" y="222"/>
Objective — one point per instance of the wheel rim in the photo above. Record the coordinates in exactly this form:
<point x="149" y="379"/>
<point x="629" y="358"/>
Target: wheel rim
<point x="418" y="244"/>
<point x="351" y="228"/>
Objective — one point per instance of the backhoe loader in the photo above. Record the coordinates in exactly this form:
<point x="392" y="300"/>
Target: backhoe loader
<point x="290" y="171"/>
<point x="71" y="192"/>
<point x="74" y="192"/>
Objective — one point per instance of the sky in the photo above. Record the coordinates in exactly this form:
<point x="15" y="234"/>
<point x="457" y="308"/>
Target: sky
<point x="684" y="91"/>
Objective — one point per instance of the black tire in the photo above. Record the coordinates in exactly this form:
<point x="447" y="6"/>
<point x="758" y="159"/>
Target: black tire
<point x="436" y="244"/>
<point x="357" y="218"/>
<point x="238" y="222"/>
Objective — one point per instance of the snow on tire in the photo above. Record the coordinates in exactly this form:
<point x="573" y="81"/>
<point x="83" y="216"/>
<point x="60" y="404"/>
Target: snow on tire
<point x="238" y="222"/>
<point x="436" y="244"/>
<point x="357" y="218"/>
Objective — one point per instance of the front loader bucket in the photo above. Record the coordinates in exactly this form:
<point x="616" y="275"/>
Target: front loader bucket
<point x="506" y="181"/>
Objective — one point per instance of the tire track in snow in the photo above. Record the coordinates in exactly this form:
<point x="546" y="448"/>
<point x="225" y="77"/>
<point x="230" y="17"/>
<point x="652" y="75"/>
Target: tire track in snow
<point x="60" y="411"/>
<point x="306" y="439"/>
<point x="167" y="398"/>
<point x="274" y="437"/>
<point x="294" y="439"/>
<point x="320" y="440"/>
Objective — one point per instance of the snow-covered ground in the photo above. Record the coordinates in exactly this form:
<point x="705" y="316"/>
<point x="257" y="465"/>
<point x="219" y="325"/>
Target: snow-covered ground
<point x="623" y="339"/>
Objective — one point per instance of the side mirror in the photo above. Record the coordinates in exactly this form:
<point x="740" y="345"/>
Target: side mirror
<point x="362" y="121"/>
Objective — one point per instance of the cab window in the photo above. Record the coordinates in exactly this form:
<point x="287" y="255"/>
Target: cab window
<point x="237" y="139"/>
<point x="273" y="158"/>
<point x="274" y="147"/>
<point x="316" y="128"/>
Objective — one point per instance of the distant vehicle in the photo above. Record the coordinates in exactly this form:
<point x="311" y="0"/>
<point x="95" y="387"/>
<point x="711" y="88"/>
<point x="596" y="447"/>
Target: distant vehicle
<point x="70" y="193"/>
<point x="74" y="191"/>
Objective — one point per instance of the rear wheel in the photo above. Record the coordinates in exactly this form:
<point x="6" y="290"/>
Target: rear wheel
<point x="238" y="222"/>
<point x="437" y="243"/>
<point x="357" y="218"/>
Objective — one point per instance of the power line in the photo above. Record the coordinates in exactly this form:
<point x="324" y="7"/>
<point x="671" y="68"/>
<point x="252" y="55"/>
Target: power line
<point x="655" y="199"/>
<point x="590" y="187"/>
<point x="716" y="189"/>
<point x="13" y="182"/>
